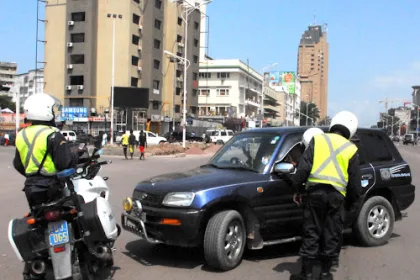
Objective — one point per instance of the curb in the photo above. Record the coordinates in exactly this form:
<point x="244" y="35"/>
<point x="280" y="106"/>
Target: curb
<point x="180" y="155"/>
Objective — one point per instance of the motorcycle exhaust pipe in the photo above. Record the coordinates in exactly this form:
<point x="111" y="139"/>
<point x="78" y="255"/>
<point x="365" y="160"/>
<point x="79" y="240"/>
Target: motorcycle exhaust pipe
<point x="38" y="267"/>
<point x="103" y="252"/>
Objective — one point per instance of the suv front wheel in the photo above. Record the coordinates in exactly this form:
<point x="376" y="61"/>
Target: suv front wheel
<point x="375" y="223"/>
<point x="224" y="240"/>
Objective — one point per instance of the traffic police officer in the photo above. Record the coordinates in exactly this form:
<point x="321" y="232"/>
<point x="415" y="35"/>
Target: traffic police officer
<point x="330" y="167"/>
<point x="41" y="150"/>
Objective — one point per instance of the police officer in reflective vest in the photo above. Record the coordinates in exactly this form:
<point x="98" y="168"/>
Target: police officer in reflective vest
<point x="330" y="168"/>
<point x="41" y="150"/>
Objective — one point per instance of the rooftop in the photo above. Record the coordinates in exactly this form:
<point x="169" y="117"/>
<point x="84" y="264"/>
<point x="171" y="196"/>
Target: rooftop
<point x="312" y="35"/>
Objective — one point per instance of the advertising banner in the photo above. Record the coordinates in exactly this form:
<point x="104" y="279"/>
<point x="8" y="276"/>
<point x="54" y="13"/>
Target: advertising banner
<point x="71" y="113"/>
<point x="274" y="79"/>
<point x="288" y="80"/>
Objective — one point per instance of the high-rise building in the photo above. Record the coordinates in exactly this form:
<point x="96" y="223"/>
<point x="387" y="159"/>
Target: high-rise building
<point x="7" y="77"/>
<point x="312" y="67"/>
<point x="29" y="83"/>
<point x="79" y="51"/>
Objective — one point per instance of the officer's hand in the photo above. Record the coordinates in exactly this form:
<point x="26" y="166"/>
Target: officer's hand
<point x="297" y="198"/>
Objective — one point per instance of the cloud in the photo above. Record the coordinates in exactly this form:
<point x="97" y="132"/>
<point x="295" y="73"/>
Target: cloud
<point x="394" y="85"/>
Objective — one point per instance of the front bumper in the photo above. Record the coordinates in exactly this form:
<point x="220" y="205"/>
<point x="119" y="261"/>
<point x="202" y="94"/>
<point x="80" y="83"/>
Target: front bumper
<point x="147" y="224"/>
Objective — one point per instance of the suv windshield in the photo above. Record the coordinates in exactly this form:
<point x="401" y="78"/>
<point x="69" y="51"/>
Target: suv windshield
<point x="248" y="151"/>
<point x="408" y="136"/>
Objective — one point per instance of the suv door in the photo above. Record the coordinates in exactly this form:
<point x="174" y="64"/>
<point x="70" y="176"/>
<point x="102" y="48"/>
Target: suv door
<point x="151" y="138"/>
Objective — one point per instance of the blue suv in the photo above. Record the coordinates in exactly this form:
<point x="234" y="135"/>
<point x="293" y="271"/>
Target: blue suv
<point x="242" y="197"/>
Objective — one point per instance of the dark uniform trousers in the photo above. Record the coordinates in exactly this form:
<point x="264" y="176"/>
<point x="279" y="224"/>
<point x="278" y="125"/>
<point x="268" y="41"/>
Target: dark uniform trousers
<point x="323" y="224"/>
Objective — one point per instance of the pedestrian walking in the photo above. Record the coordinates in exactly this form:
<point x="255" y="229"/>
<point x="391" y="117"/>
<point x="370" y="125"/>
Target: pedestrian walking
<point x="6" y="138"/>
<point x="131" y="143"/>
<point x="124" y="143"/>
<point x="142" y="143"/>
<point x="330" y="168"/>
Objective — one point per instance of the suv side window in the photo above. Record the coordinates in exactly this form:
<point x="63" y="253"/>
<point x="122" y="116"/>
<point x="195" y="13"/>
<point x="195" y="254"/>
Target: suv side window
<point x="375" y="147"/>
<point x="360" y="149"/>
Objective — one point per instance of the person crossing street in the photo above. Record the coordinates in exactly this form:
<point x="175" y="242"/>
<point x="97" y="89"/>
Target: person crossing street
<point x="330" y="168"/>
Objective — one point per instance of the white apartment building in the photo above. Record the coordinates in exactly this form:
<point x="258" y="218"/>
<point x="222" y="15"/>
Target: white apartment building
<point x="26" y="85"/>
<point x="229" y="88"/>
<point x="7" y="77"/>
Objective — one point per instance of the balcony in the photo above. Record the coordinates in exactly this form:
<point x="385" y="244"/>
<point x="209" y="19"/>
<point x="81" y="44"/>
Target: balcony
<point x="252" y="102"/>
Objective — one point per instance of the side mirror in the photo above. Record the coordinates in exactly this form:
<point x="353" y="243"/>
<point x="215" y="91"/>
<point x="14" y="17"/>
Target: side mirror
<point x="284" y="168"/>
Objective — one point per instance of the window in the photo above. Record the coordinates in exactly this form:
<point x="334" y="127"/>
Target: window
<point x="155" y="105"/>
<point x="195" y="43"/>
<point x="134" y="82"/>
<point x="195" y="76"/>
<point x="150" y="134"/>
<point x="77" y="59"/>
<point x="205" y="75"/>
<point x="204" y="92"/>
<point x="180" y="21"/>
<point x="76" y="80"/>
<point x="156" y="84"/>
<point x="136" y="19"/>
<point x="196" y="25"/>
<point x="375" y="147"/>
<point x="194" y="92"/>
<point x="76" y="102"/>
<point x="179" y="54"/>
<point x="137" y="1"/>
<point x="195" y="58"/>
<point x="134" y="60"/>
<point x="156" y="64"/>
<point x="78" y="16"/>
<point x="178" y="73"/>
<point x="178" y="91"/>
<point x="179" y="38"/>
<point x="223" y="75"/>
<point x="158" y="24"/>
<point x="158" y="4"/>
<point x="78" y="37"/>
<point x="223" y="92"/>
<point x="177" y="108"/>
<point x="156" y="44"/>
<point x="135" y="39"/>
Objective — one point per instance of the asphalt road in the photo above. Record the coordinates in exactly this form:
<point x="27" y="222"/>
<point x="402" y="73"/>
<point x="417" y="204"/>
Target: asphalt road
<point x="138" y="260"/>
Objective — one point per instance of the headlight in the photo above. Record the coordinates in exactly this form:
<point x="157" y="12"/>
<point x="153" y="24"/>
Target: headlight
<point x="127" y="204"/>
<point x="183" y="199"/>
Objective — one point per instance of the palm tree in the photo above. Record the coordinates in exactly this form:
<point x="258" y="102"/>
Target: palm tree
<point x="309" y="109"/>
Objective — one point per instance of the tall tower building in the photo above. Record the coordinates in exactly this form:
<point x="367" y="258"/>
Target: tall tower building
<point x="79" y="51"/>
<point x="312" y="67"/>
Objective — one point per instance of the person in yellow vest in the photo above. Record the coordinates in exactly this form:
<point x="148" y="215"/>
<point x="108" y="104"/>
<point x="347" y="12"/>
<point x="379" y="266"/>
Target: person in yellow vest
<point x="124" y="143"/>
<point x="330" y="168"/>
<point x="41" y="151"/>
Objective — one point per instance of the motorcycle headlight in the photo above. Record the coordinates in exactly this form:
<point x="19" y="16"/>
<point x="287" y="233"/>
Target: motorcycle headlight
<point x="180" y="199"/>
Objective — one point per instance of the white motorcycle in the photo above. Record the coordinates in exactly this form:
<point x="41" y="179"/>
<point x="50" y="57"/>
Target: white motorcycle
<point x="73" y="235"/>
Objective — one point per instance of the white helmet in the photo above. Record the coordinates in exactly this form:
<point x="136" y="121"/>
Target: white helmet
<point x="309" y="134"/>
<point x="39" y="107"/>
<point x="346" y="122"/>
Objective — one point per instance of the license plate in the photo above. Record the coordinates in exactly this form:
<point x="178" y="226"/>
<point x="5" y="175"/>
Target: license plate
<point x="59" y="233"/>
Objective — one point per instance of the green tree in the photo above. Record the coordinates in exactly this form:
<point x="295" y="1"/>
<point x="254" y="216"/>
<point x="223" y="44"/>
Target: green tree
<point x="325" y="121"/>
<point x="7" y="102"/>
<point x="309" y="109"/>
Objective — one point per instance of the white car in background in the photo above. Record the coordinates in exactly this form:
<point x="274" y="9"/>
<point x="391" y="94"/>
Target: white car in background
<point x="69" y="135"/>
<point x="151" y="138"/>
<point x="221" y="136"/>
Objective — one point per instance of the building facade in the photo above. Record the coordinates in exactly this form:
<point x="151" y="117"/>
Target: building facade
<point x="29" y="83"/>
<point x="80" y="47"/>
<point x="8" y="72"/>
<point x="312" y="67"/>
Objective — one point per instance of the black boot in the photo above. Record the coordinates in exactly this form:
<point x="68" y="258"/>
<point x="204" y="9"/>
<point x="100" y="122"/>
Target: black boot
<point x="326" y="276"/>
<point x="326" y="268"/>
<point x="306" y="272"/>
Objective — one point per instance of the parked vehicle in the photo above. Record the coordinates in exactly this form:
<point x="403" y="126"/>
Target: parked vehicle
<point x="176" y="136"/>
<point x="152" y="138"/>
<point x="243" y="197"/>
<point x="221" y="136"/>
<point x="55" y="236"/>
<point x="69" y="135"/>
<point x="118" y="137"/>
<point x="410" y="139"/>
<point x="395" y="138"/>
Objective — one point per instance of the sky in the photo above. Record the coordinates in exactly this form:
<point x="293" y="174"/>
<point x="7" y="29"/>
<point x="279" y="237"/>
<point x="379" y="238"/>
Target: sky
<point x="373" y="48"/>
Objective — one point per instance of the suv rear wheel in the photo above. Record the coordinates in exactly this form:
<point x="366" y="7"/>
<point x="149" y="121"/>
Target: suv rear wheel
<point x="375" y="223"/>
<point x="224" y="240"/>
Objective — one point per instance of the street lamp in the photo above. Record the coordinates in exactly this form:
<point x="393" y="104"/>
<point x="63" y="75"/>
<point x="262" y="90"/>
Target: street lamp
<point x="262" y="91"/>
<point x="187" y="64"/>
<point x="189" y="8"/>
<point x="114" y="17"/>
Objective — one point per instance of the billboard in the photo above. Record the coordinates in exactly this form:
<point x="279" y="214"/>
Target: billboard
<point x="71" y="113"/>
<point x="288" y="80"/>
<point x="403" y="115"/>
<point x="131" y="97"/>
<point x="274" y="79"/>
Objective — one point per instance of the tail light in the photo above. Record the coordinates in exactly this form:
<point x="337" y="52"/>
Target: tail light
<point x="52" y="215"/>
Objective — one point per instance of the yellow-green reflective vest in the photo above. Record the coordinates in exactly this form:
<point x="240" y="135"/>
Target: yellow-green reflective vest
<point x="332" y="154"/>
<point x="31" y="142"/>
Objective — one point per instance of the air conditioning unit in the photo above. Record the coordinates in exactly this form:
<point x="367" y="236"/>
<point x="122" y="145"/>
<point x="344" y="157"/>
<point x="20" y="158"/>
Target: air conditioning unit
<point x="140" y="48"/>
<point x="79" y="87"/>
<point x="180" y="44"/>
<point x="69" y="66"/>
<point x="70" y="23"/>
<point x="69" y="44"/>
<point x="140" y="27"/>
<point x="180" y="79"/>
<point x="68" y="87"/>
<point x="139" y="68"/>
